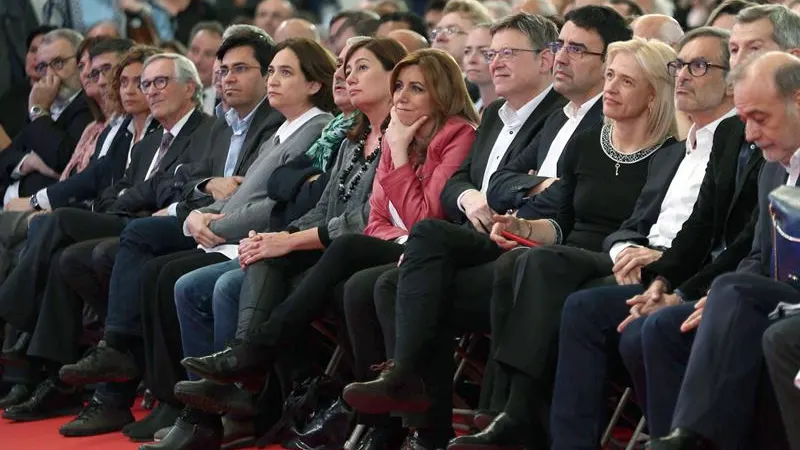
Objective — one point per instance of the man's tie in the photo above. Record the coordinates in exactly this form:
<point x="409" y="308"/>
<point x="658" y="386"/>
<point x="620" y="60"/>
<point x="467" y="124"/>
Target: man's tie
<point x="166" y="140"/>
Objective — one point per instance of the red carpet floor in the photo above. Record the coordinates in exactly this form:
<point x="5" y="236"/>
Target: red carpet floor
<point x="44" y="435"/>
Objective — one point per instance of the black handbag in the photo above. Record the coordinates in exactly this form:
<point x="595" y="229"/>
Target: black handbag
<point x="784" y="208"/>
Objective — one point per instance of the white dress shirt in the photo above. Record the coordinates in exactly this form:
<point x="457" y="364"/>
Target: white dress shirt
<point x="574" y="115"/>
<point x="209" y="100"/>
<point x="512" y="122"/>
<point x="174" y="131"/>
<point x="683" y="190"/>
<point x="794" y="169"/>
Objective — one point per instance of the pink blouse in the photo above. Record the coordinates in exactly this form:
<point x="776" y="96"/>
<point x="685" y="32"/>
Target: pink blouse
<point x="84" y="150"/>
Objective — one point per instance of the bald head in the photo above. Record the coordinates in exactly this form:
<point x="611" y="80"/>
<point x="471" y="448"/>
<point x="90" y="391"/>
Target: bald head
<point x="296" y="28"/>
<point x="411" y="40"/>
<point x="540" y="7"/>
<point x="659" y="27"/>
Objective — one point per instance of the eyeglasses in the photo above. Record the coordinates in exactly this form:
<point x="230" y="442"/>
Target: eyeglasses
<point x="697" y="67"/>
<point x="56" y="64"/>
<point x="446" y="31"/>
<point x="237" y="69"/>
<point x="573" y="50"/>
<point x="504" y="53"/>
<point x="158" y="82"/>
<point x="94" y="75"/>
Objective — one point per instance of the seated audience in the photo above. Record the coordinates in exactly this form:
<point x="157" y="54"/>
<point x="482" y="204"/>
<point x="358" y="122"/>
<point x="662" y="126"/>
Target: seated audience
<point x="296" y="28"/>
<point x="659" y="27"/>
<point x="433" y="14"/>
<point x="204" y="41"/>
<point x="476" y="65"/>
<point x="348" y="24"/>
<point x="271" y="13"/>
<point x="499" y="9"/>
<point x="400" y="21"/>
<point x="410" y="40"/>
<point x="724" y="15"/>
<point x="627" y="8"/>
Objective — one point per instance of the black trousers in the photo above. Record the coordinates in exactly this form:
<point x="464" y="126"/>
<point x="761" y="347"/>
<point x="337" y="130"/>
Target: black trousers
<point x="311" y="298"/>
<point x="726" y="388"/>
<point x="782" y="352"/>
<point x="21" y="293"/>
<point x="163" y="349"/>
<point x="71" y="283"/>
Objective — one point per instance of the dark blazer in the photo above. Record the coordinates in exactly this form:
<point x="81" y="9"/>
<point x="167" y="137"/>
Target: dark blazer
<point x="720" y="218"/>
<point x="133" y="194"/>
<point x="470" y="174"/>
<point x="266" y="122"/>
<point x="663" y="166"/>
<point x="53" y="141"/>
<point x="758" y="260"/>
<point x="101" y="172"/>
<point x="510" y="184"/>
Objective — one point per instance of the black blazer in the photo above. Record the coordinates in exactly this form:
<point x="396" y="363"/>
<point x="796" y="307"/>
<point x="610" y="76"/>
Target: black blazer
<point x="53" y="141"/>
<point x="510" y="184"/>
<point x="663" y="166"/>
<point x="758" y="260"/>
<point x="470" y="174"/>
<point x="266" y="122"/>
<point x="720" y="218"/>
<point x="101" y="172"/>
<point x="135" y="195"/>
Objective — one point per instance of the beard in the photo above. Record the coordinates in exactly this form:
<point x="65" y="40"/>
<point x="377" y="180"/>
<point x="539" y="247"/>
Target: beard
<point x="65" y="92"/>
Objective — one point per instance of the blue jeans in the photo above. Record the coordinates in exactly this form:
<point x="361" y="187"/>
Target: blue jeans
<point x="207" y="301"/>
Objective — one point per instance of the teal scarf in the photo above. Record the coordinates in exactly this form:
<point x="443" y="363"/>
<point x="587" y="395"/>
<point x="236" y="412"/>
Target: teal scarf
<point x="331" y="138"/>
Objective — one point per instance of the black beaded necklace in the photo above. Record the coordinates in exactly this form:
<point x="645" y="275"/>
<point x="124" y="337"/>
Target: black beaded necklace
<point x="345" y="194"/>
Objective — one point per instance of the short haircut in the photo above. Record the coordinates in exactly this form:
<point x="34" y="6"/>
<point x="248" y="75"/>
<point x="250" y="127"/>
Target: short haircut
<point x="723" y="36"/>
<point x="785" y="23"/>
<point x="352" y="17"/>
<point x="212" y="26"/>
<point x="38" y="31"/>
<point x="73" y="37"/>
<point x="247" y="28"/>
<point x="730" y="7"/>
<point x="539" y="30"/>
<point x="633" y="7"/>
<point x="110" y="45"/>
<point x="473" y="10"/>
<point x="415" y="22"/>
<point x="318" y="66"/>
<point x="435" y="5"/>
<point x="263" y="50"/>
<point x="88" y="44"/>
<point x="185" y="72"/>
<point x="609" y="24"/>
<point x="173" y="46"/>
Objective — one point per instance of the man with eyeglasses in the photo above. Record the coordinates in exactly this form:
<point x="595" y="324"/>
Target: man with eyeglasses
<point x="58" y="114"/>
<point x="692" y="221"/>
<point x="206" y="37"/>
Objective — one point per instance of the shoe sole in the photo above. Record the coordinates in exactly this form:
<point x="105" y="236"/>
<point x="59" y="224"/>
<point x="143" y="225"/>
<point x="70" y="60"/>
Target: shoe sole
<point x="202" y="373"/>
<point x="78" y="378"/>
<point x="483" y="447"/>
<point x="243" y="442"/>
<point x="199" y="399"/>
<point x="374" y="404"/>
<point x="94" y="432"/>
<point x="51" y="415"/>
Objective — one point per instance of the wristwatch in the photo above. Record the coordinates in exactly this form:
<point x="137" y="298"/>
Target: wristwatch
<point x="37" y="111"/>
<point x="35" y="203"/>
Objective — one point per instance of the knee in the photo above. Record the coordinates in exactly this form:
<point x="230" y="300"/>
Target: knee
<point x="576" y="308"/>
<point x="359" y="293"/>
<point x="775" y="340"/>
<point x="630" y="343"/>
<point x="385" y="294"/>
<point x="184" y="291"/>
<point x="426" y="233"/>
<point x="228" y="287"/>
<point x="504" y="265"/>
<point x="103" y="256"/>
<point x="139" y="231"/>
<point x="75" y="260"/>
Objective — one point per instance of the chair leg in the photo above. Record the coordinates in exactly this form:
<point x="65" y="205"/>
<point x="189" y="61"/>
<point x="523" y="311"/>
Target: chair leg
<point x="355" y="436"/>
<point x="333" y="363"/>
<point x="626" y="395"/>
<point x="636" y="433"/>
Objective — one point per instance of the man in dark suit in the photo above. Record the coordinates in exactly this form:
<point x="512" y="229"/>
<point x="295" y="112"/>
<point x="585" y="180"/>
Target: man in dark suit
<point x="172" y="101"/>
<point x="722" y="388"/>
<point x="58" y="114"/>
<point x="709" y="200"/>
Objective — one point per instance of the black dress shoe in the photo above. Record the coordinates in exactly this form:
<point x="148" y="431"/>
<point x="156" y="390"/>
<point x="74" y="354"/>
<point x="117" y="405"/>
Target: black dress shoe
<point x="395" y="389"/>
<point x="214" y="397"/>
<point x="327" y="431"/>
<point x="18" y="394"/>
<point x="97" y="418"/>
<point x="143" y="430"/>
<point x="102" y="365"/>
<point x="682" y="439"/>
<point x="20" y="346"/>
<point x="243" y="363"/>
<point x="187" y="435"/>
<point x="47" y="401"/>
<point x="483" y="418"/>
<point x="382" y="438"/>
<point x="502" y="433"/>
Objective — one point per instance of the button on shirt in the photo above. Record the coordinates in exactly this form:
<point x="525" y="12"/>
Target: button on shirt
<point x="575" y="115"/>
<point x="683" y="190"/>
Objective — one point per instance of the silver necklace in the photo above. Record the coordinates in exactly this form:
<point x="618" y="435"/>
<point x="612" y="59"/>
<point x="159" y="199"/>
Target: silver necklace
<point x="624" y="158"/>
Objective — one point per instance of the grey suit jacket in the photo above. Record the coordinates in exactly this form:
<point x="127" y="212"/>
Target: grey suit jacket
<point x="758" y="261"/>
<point x="249" y="208"/>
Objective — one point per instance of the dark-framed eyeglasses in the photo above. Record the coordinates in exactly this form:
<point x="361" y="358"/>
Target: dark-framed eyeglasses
<point x="158" y="82"/>
<point x="505" y="53"/>
<point x="94" y="75"/>
<point x="446" y="31"/>
<point x="236" y="69"/>
<point x="573" y="50"/>
<point x="697" y="67"/>
<point x="56" y="64"/>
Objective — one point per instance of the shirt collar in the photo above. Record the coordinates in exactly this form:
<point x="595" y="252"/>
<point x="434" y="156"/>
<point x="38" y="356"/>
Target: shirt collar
<point x="704" y="137"/>
<point x="574" y="112"/>
<point x="59" y="106"/>
<point x="146" y="125"/>
<point x="513" y="118"/>
<point x="179" y="125"/>
<point x="288" y="128"/>
<point x="240" y="126"/>
<point x="794" y="163"/>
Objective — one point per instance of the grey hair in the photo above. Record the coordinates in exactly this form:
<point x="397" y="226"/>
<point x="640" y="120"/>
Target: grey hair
<point x="244" y="28"/>
<point x="185" y="72"/>
<point x="785" y="23"/>
<point x="723" y="36"/>
<point x="498" y="8"/>
<point x="539" y="30"/>
<point x="71" y="36"/>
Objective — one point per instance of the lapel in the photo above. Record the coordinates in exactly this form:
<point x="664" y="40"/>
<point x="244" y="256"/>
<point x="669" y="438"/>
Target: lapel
<point x="101" y="140"/>
<point x="265" y="123"/>
<point x="593" y="117"/>
<point x="182" y="140"/>
<point x="537" y="121"/>
<point x="737" y="139"/>
<point x="549" y="132"/>
<point x="490" y="130"/>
